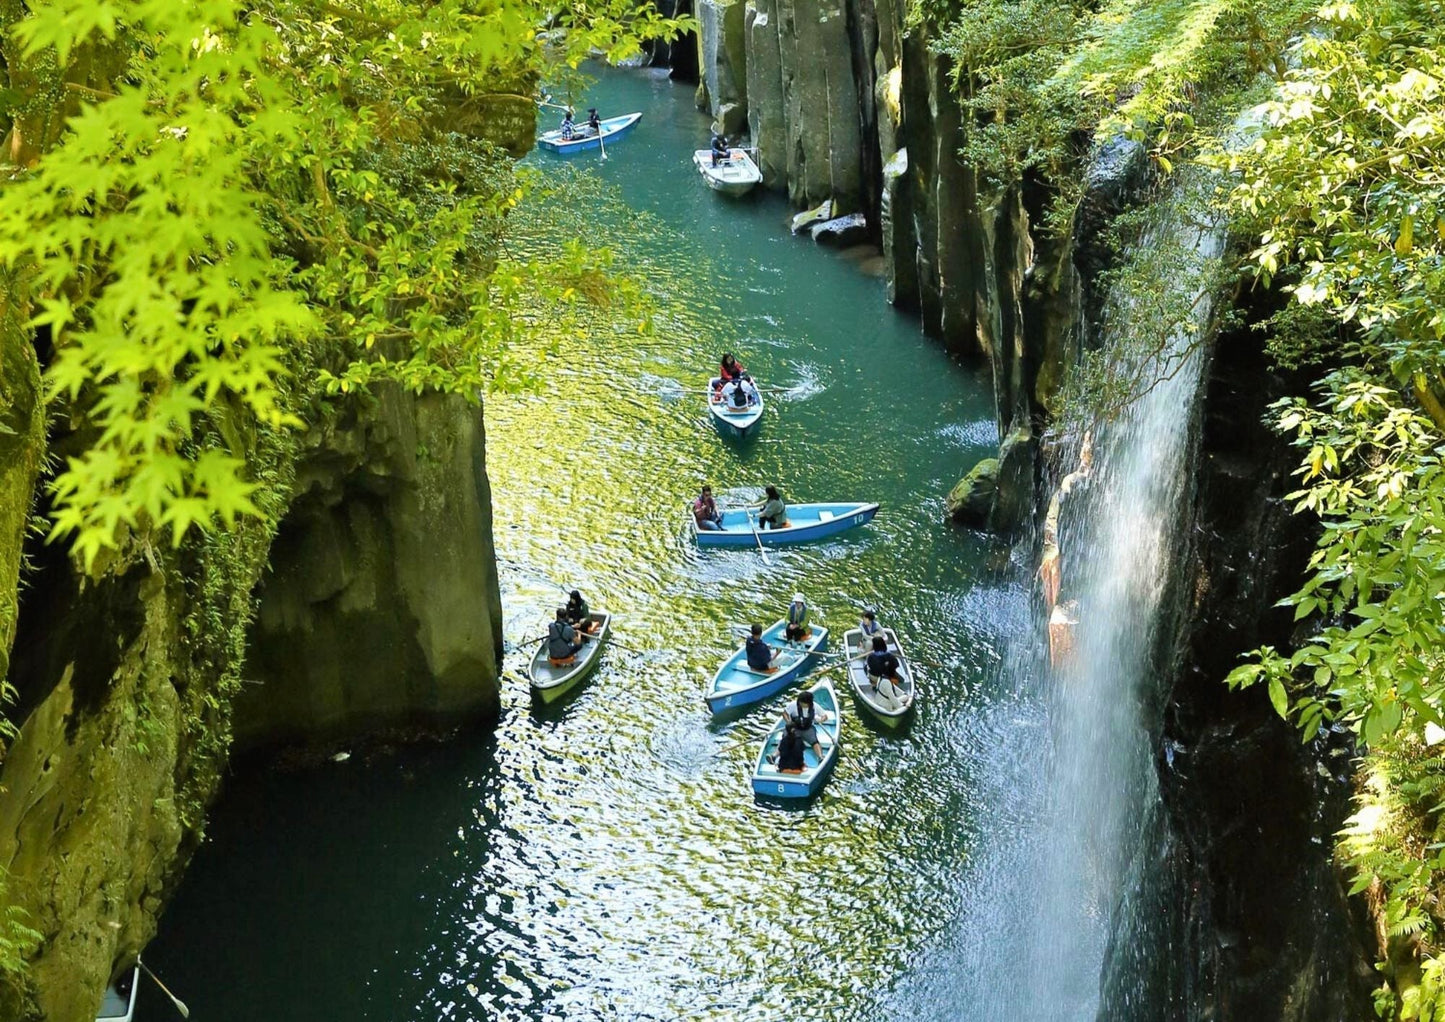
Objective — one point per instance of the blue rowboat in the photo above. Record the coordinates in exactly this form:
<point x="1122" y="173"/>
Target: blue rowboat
<point x="805" y="522"/>
<point x="736" y="423"/>
<point x="583" y="138"/>
<point x="890" y="708"/>
<point x="736" y="684"/>
<point x="552" y="681"/>
<point x="770" y="782"/>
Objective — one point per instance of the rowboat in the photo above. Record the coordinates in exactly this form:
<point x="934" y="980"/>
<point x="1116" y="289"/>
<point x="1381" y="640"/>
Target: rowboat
<point x="734" y="175"/>
<point x="736" y="684"/>
<point x="771" y="782"/>
<point x="583" y="137"/>
<point x="732" y="422"/>
<point x="887" y="712"/>
<point x="551" y="682"/>
<point x="118" y="1002"/>
<point x="806" y="522"/>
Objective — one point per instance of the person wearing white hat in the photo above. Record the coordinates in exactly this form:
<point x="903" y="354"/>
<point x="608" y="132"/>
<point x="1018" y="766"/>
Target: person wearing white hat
<point x="797" y="628"/>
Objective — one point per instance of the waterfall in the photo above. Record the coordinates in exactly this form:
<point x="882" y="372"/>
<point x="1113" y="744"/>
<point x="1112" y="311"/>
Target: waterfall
<point x="1071" y="787"/>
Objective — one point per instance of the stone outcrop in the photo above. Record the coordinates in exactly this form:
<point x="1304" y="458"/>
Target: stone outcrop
<point x="723" y="64"/>
<point x="381" y="604"/>
<point x="127" y="675"/>
<point x="971" y="499"/>
<point x="1264" y="927"/>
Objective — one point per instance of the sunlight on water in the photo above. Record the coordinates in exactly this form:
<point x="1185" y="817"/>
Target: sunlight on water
<point x="605" y="858"/>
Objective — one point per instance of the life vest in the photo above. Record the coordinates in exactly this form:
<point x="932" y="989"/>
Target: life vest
<point x="798" y="614"/>
<point x="803" y="721"/>
<point x="728" y="375"/>
<point x="870" y="628"/>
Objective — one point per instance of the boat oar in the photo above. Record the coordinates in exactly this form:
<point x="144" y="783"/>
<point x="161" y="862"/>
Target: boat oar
<point x="601" y="143"/>
<point x="180" y="1004"/>
<point x="926" y="663"/>
<point x="759" y="541"/>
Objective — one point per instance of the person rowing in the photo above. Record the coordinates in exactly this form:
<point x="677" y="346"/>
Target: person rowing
<point x="802" y="715"/>
<point x="563" y="642"/>
<point x="760" y="655"/>
<point x="884" y="672"/>
<point x="720" y="152"/>
<point x="593" y="121"/>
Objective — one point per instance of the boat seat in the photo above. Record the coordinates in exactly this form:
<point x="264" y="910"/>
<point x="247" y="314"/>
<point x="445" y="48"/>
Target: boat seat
<point x="763" y="673"/>
<point x="568" y="662"/>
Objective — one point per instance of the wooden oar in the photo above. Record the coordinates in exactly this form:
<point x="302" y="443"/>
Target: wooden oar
<point x="759" y="541"/>
<point x="179" y="1004"/>
<point x="600" y="142"/>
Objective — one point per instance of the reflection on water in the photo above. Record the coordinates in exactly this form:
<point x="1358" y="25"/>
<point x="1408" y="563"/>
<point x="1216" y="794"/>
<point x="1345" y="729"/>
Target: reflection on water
<point x="604" y="858"/>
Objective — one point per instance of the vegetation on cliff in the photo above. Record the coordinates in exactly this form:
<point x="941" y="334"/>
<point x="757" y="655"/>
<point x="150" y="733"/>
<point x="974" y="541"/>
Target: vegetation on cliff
<point x="1335" y="185"/>
<point x="219" y="224"/>
<point x="1344" y="190"/>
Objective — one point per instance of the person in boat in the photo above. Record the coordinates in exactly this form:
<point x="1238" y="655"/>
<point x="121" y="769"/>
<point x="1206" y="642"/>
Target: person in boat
<point x="563" y="642"/>
<point x="884" y="671"/>
<point x="803" y="715"/>
<point x="796" y="630"/>
<point x="569" y="129"/>
<point x="705" y="512"/>
<point x="719" y="148"/>
<point x="735" y="394"/>
<point x="760" y="655"/>
<point x="868" y="626"/>
<point x="749" y="389"/>
<point x="789" y="757"/>
<point x="729" y="369"/>
<point x="579" y="615"/>
<point x="593" y="121"/>
<point x="773" y="514"/>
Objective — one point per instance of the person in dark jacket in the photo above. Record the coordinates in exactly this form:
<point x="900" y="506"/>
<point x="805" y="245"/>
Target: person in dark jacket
<point x="789" y="757"/>
<point x="719" y="148"/>
<point x="578" y="613"/>
<point x="884" y="672"/>
<point x="563" y="642"/>
<point x="760" y="654"/>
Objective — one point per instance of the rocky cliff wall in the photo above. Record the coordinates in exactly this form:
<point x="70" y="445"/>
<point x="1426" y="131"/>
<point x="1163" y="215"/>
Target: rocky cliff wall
<point x="384" y="593"/>
<point x="1264" y="926"/>
<point x="381" y="603"/>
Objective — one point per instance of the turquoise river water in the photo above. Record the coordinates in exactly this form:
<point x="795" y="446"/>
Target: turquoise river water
<point x="605" y="859"/>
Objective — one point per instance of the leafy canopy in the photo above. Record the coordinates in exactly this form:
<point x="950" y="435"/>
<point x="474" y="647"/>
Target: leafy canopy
<point x="255" y="206"/>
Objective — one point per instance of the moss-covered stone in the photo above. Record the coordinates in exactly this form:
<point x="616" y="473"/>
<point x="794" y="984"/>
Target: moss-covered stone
<point x="971" y="499"/>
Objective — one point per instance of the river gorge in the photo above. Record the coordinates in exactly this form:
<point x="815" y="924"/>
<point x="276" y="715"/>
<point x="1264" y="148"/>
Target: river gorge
<point x="1081" y="822"/>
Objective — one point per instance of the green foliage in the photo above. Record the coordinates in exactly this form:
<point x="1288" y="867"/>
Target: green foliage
<point x="1045" y="82"/>
<point x="1342" y="172"/>
<point x="1343" y="190"/>
<point x="17" y="941"/>
<point x="284" y="190"/>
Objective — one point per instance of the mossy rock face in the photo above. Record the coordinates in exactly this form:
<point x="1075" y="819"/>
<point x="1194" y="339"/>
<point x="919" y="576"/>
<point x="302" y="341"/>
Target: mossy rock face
<point x="971" y="501"/>
<point x="382" y="605"/>
<point x="1015" y="483"/>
